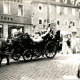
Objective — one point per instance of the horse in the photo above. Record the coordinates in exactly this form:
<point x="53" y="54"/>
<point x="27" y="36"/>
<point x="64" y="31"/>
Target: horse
<point x="3" y="54"/>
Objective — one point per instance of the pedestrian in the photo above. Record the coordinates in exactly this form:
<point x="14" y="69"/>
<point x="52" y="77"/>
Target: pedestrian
<point x="60" y="43"/>
<point x="69" y="44"/>
<point x="78" y="73"/>
<point x="64" y="46"/>
<point x="73" y="44"/>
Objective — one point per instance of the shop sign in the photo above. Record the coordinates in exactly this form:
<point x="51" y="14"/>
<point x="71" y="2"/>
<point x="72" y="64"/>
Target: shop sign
<point x="6" y="18"/>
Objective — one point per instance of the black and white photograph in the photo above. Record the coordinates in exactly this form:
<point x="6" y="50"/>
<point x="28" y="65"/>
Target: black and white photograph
<point x="39" y="39"/>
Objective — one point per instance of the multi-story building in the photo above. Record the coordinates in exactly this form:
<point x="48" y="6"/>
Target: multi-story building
<point x="30" y="15"/>
<point x="65" y="13"/>
<point x="14" y="16"/>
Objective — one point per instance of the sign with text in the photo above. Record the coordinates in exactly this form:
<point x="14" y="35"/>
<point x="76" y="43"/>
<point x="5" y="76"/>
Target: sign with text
<point x="15" y="19"/>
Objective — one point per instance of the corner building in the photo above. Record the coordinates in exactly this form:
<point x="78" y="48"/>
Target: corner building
<point x="13" y="16"/>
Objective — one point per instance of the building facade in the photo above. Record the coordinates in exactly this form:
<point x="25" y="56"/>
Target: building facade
<point x="65" y="13"/>
<point x="32" y="15"/>
<point x="14" y="16"/>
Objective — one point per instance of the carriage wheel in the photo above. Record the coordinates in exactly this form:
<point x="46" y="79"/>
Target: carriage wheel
<point x="50" y="50"/>
<point x="15" y="56"/>
<point x="27" y="55"/>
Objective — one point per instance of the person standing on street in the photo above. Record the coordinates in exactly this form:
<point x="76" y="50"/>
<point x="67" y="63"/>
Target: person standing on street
<point x="64" y="46"/>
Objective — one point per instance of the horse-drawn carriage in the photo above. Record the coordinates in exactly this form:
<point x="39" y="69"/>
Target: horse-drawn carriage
<point x="23" y="45"/>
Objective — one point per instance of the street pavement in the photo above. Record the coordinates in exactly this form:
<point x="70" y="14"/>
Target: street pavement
<point x="61" y="67"/>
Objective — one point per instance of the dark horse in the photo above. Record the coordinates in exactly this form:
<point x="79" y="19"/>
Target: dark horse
<point x="3" y="55"/>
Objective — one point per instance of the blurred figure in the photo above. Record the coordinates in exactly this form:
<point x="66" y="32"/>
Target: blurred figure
<point x="37" y="37"/>
<point x="60" y="43"/>
<point x="64" y="46"/>
<point x="73" y="44"/>
<point x="69" y="41"/>
<point x="69" y="44"/>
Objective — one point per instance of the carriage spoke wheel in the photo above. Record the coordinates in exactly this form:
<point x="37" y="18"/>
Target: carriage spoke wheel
<point x="16" y="56"/>
<point x="50" y="50"/>
<point x="27" y="55"/>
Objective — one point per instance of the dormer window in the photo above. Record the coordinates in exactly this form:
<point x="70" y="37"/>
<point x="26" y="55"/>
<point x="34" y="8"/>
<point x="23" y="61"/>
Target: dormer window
<point x="72" y="1"/>
<point x="65" y="1"/>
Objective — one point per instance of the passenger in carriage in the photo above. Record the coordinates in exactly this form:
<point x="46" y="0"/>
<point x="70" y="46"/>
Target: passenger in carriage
<point x="38" y="37"/>
<point x="47" y="31"/>
<point x="25" y="40"/>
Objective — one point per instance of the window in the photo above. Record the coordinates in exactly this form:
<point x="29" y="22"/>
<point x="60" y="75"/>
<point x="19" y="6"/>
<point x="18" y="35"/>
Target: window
<point x="20" y="10"/>
<point x="65" y="1"/>
<point x="50" y="8"/>
<point x="6" y="8"/>
<point x="72" y="1"/>
<point x="79" y="23"/>
<point x="45" y="23"/>
<point x="58" y="9"/>
<point x="1" y="31"/>
<point x="58" y="22"/>
<point x="65" y="10"/>
<point x="40" y="21"/>
<point x="79" y="13"/>
<point x="73" y="11"/>
<point x="15" y="30"/>
<point x="40" y="7"/>
<point x="73" y="23"/>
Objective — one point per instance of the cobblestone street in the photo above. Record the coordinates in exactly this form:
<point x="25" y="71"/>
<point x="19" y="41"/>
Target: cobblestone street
<point x="61" y="67"/>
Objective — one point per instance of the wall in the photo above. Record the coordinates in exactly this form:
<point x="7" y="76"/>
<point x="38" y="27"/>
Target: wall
<point x="37" y="14"/>
<point x="1" y="6"/>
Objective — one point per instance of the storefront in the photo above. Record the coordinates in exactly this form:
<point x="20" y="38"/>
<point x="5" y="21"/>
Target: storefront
<point x="10" y="25"/>
<point x="13" y="30"/>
